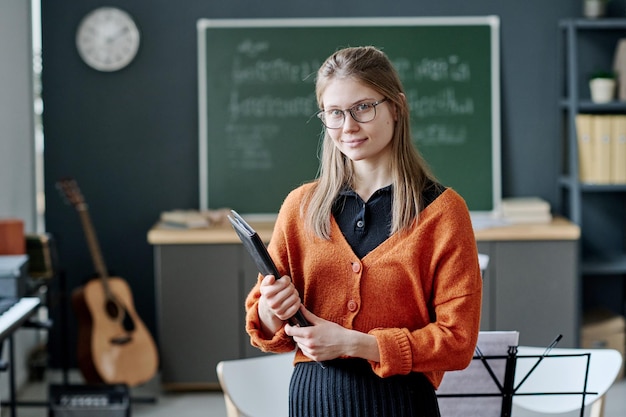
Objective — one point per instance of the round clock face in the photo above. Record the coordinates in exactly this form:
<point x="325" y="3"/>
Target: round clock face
<point x="107" y="39"/>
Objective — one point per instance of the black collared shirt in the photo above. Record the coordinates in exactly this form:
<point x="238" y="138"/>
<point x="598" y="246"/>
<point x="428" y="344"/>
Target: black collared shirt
<point x="365" y="225"/>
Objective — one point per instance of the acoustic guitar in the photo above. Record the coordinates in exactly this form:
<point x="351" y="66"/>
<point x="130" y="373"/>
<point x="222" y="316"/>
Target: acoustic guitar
<point x="114" y="345"/>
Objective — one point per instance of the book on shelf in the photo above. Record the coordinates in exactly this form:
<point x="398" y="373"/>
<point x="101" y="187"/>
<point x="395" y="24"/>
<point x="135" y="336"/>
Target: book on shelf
<point x="601" y="140"/>
<point x="618" y="150"/>
<point x="585" y="149"/>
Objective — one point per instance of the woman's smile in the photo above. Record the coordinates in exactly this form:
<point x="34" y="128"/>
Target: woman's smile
<point x="353" y="142"/>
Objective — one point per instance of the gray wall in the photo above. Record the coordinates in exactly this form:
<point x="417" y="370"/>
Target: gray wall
<point x="130" y="137"/>
<point x="17" y="179"/>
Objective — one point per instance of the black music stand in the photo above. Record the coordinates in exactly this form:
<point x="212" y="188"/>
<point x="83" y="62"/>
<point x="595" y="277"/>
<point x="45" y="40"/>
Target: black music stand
<point x="501" y="386"/>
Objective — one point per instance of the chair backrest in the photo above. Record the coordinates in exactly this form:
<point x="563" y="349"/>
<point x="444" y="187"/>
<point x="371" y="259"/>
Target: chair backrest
<point x="256" y="387"/>
<point x="564" y="374"/>
<point x="483" y="262"/>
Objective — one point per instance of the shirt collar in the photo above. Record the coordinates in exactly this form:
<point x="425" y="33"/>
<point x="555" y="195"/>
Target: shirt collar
<point x="348" y="191"/>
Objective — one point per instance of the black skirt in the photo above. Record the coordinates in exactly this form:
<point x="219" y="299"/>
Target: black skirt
<point x="349" y="388"/>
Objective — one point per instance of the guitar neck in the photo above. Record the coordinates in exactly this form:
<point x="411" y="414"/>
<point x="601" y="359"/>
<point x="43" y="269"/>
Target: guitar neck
<point x="92" y="242"/>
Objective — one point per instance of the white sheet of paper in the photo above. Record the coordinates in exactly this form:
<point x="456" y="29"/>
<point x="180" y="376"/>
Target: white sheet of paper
<point x="475" y="379"/>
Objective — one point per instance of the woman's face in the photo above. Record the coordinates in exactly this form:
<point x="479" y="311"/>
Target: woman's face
<point x="368" y="141"/>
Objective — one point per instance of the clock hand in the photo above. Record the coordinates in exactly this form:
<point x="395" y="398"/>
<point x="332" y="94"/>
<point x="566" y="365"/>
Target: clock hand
<point x="121" y="32"/>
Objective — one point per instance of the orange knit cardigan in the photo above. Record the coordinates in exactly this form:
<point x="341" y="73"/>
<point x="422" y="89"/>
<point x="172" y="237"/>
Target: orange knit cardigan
<point x="418" y="293"/>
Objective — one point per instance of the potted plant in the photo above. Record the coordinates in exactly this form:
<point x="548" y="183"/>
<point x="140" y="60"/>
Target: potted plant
<point x="602" y="86"/>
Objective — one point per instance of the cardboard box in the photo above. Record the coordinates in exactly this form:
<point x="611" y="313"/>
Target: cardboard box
<point x="12" y="240"/>
<point x="603" y="329"/>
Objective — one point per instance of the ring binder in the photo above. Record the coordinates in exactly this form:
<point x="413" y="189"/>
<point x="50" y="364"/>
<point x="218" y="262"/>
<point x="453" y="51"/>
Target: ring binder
<point x="262" y="259"/>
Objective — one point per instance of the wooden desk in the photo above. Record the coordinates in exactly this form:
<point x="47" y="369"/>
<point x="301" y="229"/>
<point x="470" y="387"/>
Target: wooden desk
<point x="163" y="235"/>
<point x="203" y="275"/>
<point x="558" y="229"/>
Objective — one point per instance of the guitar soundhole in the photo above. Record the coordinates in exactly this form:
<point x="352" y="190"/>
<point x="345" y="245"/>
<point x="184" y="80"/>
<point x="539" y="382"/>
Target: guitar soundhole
<point x="112" y="309"/>
<point x="128" y="323"/>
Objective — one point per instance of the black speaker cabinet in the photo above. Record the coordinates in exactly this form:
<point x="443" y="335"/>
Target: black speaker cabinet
<point x="89" y="401"/>
<point x="42" y="256"/>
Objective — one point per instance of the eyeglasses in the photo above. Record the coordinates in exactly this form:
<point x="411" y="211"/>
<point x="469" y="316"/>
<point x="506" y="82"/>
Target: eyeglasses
<point x="361" y="113"/>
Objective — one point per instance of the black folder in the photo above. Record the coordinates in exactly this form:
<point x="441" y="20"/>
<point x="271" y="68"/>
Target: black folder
<point x="257" y="250"/>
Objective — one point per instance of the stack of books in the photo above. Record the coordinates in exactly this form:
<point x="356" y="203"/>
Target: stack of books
<point x="194" y="219"/>
<point x="526" y="210"/>
<point x="187" y="219"/>
<point x="601" y="148"/>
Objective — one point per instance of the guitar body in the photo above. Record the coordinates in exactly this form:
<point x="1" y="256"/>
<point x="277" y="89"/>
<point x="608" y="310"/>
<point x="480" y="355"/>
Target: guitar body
<point x="107" y="351"/>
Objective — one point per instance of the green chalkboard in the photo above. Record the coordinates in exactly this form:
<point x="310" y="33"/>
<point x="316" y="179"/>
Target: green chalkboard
<point x="258" y="139"/>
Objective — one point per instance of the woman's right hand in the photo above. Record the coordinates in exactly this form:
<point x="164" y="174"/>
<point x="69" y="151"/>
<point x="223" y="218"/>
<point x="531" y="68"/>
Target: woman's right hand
<point x="279" y="301"/>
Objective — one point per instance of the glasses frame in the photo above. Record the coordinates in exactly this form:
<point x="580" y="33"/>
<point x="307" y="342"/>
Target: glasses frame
<point x="351" y="110"/>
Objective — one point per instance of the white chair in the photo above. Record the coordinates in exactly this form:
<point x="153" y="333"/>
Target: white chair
<point x="256" y="387"/>
<point x="565" y="374"/>
<point x="483" y="261"/>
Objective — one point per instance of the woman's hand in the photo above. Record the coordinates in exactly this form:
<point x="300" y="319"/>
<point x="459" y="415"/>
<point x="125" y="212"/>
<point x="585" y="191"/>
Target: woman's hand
<point x="325" y="340"/>
<point x="278" y="302"/>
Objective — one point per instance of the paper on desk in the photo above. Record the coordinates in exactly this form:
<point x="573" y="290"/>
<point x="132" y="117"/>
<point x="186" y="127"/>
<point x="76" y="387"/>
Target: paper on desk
<point x="487" y="221"/>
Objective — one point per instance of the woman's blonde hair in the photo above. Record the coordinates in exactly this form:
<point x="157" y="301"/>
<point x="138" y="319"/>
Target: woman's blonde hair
<point x="410" y="172"/>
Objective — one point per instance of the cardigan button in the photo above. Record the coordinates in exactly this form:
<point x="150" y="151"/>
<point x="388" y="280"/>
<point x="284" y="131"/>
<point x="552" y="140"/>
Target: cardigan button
<point x="352" y="305"/>
<point x="356" y="267"/>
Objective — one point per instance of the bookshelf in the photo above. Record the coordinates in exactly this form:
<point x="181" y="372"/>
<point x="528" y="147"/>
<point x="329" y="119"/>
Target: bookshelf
<point x="589" y="45"/>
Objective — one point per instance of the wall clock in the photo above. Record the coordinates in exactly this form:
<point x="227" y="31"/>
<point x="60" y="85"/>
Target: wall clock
<point x="107" y="39"/>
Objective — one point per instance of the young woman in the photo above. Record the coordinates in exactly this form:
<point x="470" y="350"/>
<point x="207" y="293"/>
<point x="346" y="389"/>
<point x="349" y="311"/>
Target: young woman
<point x="383" y="256"/>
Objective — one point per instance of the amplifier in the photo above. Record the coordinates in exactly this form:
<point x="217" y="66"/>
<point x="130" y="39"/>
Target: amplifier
<point x="89" y="400"/>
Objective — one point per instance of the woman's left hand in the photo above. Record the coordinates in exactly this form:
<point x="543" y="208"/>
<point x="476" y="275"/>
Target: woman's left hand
<point x="325" y="340"/>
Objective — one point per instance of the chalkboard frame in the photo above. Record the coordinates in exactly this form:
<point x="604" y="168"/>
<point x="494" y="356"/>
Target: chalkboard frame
<point x="492" y="22"/>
